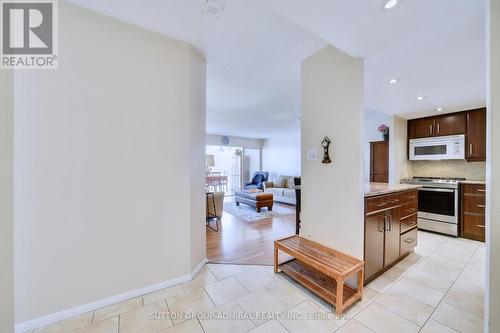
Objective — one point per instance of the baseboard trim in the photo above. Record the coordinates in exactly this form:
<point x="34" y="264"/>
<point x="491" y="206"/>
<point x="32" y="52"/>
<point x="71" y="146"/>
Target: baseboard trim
<point x="69" y="313"/>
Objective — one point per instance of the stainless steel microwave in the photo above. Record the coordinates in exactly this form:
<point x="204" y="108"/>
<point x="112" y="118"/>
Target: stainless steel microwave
<point x="438" y="148"/>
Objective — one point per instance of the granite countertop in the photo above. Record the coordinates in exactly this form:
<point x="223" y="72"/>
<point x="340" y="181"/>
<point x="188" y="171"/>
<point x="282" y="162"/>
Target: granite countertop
<point x="374" y="189"/>
<point x="473" y="182"/>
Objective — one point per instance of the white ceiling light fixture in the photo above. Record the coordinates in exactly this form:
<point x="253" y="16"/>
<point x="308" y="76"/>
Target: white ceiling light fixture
<point x="439" y="109"/>
<point x="390" y="4"/>
<point x="420" y="98"/>
<point x="392" y="81"/>
<point x="214" y="8"/>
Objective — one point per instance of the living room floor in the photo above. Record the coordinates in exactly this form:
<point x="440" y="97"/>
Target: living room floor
<point x="248" y="242"/>
<point x="439" y="288"/>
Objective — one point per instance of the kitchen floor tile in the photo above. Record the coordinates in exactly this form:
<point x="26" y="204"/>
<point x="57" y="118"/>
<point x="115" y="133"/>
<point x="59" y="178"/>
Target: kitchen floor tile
<point x="104" y="326"/>
<point x="223" y="271"/>
<point x="235" y="323"/>
<point x="307" y="317"/>
<point x="429" y="280"/>
<point x="458" y="319"/>
<point x="183" y="305"/>
<point x="262" y="305"/>
<point x="381" y="320"/>
<point x="188" y="326"/>
<point x="67" y="325"/>
<point x="433" y="326"/>
<point x="354" y="326"/>
<point x="272" y="326"/>
<point x="162" y="295"/>
<point x="381" y="284"/>
<point x="151" y="318"/>
<point x="405" y="306"/>
<point x="419" y="292"/>
<point x="204" y="277"/>
<point x="225" y="291"/>
<point x="286" y="293"/>
<point x="116" y="309"/>
<point x="254" y="279"/>
<point x="465" y="301"/>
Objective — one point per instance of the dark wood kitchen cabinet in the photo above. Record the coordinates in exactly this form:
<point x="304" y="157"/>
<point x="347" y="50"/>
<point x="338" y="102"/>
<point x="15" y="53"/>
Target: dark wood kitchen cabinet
<point x="379" y="161"/>
<point x="473" y="202"/>
<point x="420" y="128"/>
<point x="389" y="221"/>
<point x="450" y="124"/>
<point x="476" y="135"/>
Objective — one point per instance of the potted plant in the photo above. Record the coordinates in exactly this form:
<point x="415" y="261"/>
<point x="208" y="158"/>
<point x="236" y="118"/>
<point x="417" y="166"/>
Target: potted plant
<point x="384" y="129"/>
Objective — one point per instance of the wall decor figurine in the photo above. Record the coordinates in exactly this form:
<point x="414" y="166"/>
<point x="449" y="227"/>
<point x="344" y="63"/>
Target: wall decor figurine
<point x="326" y="145"/>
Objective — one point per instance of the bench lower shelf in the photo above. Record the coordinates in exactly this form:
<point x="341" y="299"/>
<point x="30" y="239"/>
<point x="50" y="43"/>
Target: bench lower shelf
<point x="319" y="283"/>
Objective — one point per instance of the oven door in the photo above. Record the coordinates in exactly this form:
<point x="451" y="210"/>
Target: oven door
<point x="439" y="204"/>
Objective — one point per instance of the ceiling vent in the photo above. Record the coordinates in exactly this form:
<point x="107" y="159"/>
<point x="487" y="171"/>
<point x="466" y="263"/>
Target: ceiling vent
<point x="213" y="8"/>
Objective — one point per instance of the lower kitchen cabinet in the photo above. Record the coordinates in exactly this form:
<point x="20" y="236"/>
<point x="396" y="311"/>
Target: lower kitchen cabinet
<point x="473" y="203"/>
<point x="390" y="230"/>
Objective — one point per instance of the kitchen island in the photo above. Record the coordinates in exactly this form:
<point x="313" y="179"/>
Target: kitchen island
<point x="390" y="226"/>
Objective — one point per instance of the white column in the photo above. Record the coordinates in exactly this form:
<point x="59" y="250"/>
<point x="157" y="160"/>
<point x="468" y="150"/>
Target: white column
<point x="492" y="298"/>
<point x="332" y="194"/>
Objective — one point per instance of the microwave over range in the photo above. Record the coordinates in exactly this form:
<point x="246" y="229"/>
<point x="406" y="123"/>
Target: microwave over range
<point x="438" y="148"/>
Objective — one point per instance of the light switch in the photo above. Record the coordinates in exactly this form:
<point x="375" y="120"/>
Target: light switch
<point x="312" y="154"/>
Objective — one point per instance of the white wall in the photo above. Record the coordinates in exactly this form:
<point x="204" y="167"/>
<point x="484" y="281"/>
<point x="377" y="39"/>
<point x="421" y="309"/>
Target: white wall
<point x="281" y="155"/>
<point x="399" y="165"/>
<point x="332" y="194"/>
<point x="492" y="298"/>
<point x="372" y="119"/>
<point x="6" y="218"/>
<point x="109" y="156"/>
<point x="234" y="141"/>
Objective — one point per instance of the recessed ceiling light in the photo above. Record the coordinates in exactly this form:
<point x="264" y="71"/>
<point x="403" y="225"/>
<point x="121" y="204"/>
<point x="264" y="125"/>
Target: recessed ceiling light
<point x="389" y="4"/>
<point x="420" y="98"/>
<point x="439" y="109"/>
<point x="392" y="81"/>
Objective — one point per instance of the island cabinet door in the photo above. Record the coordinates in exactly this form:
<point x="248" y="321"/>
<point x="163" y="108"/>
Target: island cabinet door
<point x="392" y="237"/>
<point x="374" y="243"/>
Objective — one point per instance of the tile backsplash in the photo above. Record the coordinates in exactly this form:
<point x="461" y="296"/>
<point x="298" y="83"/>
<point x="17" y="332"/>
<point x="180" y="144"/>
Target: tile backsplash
<point x="450" y="168"/>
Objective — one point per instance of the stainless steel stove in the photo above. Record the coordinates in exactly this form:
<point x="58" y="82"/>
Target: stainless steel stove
<point x="437" y="204"/>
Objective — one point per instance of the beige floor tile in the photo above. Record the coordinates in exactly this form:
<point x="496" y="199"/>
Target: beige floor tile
<point x="225" y="291"/>
<point x="381" y="284"/>
<point x="381" y="320"/>
<point x="254" y="279"/>
<point x="162" y="295"/>
<point x="67" y="325"/>
<point x="354" y="326"/>
<point x="433" y="326"/>
<point x="419" y="292"/>
<point x="468" y="287"/>
<point x="409" y="262"/>
<point x="185" y="304"/>
<point x="458" y="319"/>
<point x="429" y="280"/>
<point x="465" y="301"/>
<point x="395" y="273"/>
<point x="188" y="326"/>
<point x="151" y="318"/>
<point x="235" y="323"/>
<point x="405" y="306"/>
<point x="267" y="270"/>
<point x="439" y="268"/>
<point x="104" y="326"/>
<point x="222" y="271"/>
<point x="307" y="317"/>
<point x="262" y="305"/>
<point x="201" y="279"/>
<point x="272" y="326"/>
<point x="118" y="308"/>
<point x="286" y="293"/>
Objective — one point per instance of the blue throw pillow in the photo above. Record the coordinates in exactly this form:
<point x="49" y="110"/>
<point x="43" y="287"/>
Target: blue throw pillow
<point x="257" y="179"/>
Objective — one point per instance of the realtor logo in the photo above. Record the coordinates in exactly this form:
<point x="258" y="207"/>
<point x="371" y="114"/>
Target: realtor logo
<point x="29" y="39"/>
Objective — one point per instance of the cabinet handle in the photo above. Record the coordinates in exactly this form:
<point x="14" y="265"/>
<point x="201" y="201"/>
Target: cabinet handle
<point x="471" y="148"/>
<point x="379" y="228"/>
<point x="481" y="190"/>
<point x="430" y="129"/>
<point x="390" y="223"/>
<point x="381" y="204"/>
<point x="411" y="197"/>
<point x="438" y="128"/>
<point x="409" y="240"/>
<point x="481" y="206"/>
<point x="481" y="226"/>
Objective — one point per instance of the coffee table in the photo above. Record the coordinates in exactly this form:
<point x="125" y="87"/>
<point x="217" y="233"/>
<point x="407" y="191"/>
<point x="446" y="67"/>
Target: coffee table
<point x="254" y="198"/>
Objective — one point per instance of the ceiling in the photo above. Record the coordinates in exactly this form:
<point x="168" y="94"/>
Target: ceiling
<point x="436" y="48"/>
<point x="253" y="58"/>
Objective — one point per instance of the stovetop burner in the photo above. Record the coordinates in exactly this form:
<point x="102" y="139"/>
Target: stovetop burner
<point x="446" y="182"/>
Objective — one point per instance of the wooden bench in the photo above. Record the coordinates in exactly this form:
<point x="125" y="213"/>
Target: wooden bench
<point x="322" y="270"/>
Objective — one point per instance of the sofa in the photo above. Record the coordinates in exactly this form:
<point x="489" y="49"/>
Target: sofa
<point x="283" y="189"/>
<point x="258" y="179"/>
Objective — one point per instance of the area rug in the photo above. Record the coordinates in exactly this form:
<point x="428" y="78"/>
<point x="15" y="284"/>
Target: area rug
<point x="249" y="214"/>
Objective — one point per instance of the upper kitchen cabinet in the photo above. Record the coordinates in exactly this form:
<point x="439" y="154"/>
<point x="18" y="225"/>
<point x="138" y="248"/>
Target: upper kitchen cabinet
<point x="451" y="124"/>
<point x="420" y="128"/>
<point x="476" y="135"/>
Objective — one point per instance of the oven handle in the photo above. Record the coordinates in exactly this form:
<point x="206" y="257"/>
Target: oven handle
<point x="436" y="189"/>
